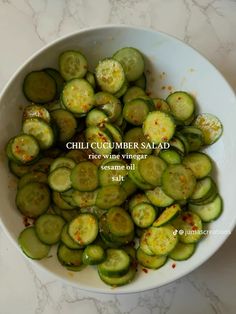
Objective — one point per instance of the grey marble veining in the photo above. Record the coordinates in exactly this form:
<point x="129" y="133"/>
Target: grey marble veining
<point x="207" y="25"/>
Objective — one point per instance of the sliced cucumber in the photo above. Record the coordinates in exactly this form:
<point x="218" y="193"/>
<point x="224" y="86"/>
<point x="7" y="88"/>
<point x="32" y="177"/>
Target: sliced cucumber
<point x="71" y="259"/>
<point x="78" y="96"/>
<point x="57" y="78"/>
<point x="119" y="222"/>
<point x="158" y="197"/>
<point x="67" y="240"/>
<point x="34" y="176"/>
<point x="161" y="104"/>
<point x="143" y="215"/>
<point x="141" y="82"/>
<point x="42" y="165"/>
<point x="18" y="170"/>
<point x="178" y="182"/>
<point x="158" y="127"/>
<point x="49" y="227"/>
<point x="36" y="111"/>
<point x="59" y="179"/>
<point x="31" y="245"/>
<point x="33" y="199"/>
<point x="58" y="201"/>
<point x="93" y="255"/>
<point x="210" y="211"/>
<point x="151" y="169"/>
<point x="199" y="163"/>
<point x="116" y="264"/>
<point x="203" y="189"/>
<point x="110" y="196"/>
<point x="210" y="126"/>
<point x="110" y="75"/>
<point x="136" y="135"/>
<point x="136" y="111"/>
<point x="115" y="132"/>
<point x="72" y="64"/>
<point x="152" y="262"/>
<point x="181" y="104"/>
<point x="162" y="240"/>
<point x="94" y="135"/>
<point x="39" y="87"/>
<point x="182" y="251"/>
<point x="66" y="124"/>
<point x="84" y="199"/>
<point x="90" y="77"/>
<point x="170" y="156"/>
<point x="132" y="62"/>
<point x="39" y="129"/>
<point x="83" y="229"/>
<point x="143" y="243"/>
<point x="167" y="215"/>
<point x="96" y="118"/>
<point x="84" y="177"/>
<point x="62" y="162"/>
<point x="110" y="104"/>
<point x="132" y="93"/>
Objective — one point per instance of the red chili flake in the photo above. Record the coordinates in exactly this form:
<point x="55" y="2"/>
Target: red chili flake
<point x="145" y="270"/>
<point x="173" y="265"/>
<point x="194" y="228"/>
<point x="26" y="222"/>
<point x="169" y="87"/>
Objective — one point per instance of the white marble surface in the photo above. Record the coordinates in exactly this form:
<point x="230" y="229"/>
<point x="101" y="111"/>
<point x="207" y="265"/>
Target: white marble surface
<point x="209" y="26"/>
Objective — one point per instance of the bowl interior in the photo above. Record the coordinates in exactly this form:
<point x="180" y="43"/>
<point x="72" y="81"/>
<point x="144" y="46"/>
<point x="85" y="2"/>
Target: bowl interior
<point x="171" y="65"/>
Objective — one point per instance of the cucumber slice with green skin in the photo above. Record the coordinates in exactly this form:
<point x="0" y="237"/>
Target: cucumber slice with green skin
<point x="161" y="105"/>
<point x="90" y="77"/>
<point x="34" y="176"/>
<point x="49" y="227"/>
<point x="199" y="163"/>
<point x="72" y="64"/>
<point x="208" y="199"/>
<point x="67" y="240"/>
<point x="83" y="229"/>
<point x="111" y="171"/>
<point x="129" y="186"/>
<point x="66" y="124"/>
<point x="110" y="75"/>
<point x="184" y="140"/>
<point x="136" y="111"/>
<point x="141" y="82"/>
<point x="59" y="179"/>
<point x="143" y="215"/>
<point x="158" y="197"/>
<point x="190" y="225"/>
<point x="143" y="243"/>
<point x="137" y="199"/>
<point x="182" y="105"/>
<point x="178" y="145"/>
<point x="140" y="184"/>
<point x="151" y="169"/>
<point x="119" y="222"/>
<point x="67" y="196"/>
<point x="36" y="111"/>
<point x="158" y="127"/>
<point x="178" y="182"/>
<point x="162" y="240"/>
<point x="58" y="201"/>
<point x="31" y="245"/>
<point x="39" y="129"/>
<point x="93" y="255"/>
<point x="122" y="90"/>
<point x="70" y="258"/>
<point x="137" y="174"/>
<point x="33" y="199"/>
<point x="115" y="132"/>
<point x="23" y="148"/>
<point x="152" y="262"/>
<point x="203" y="189"/>
<point x="58" y="79"/>
<point x="100" y="137"/>
<point x="18" y="170"/>
<point x="170" y="156"/>
<point x="110" y="196"/>
<point x="76" y="155"/>
<point x="42" y="165"/>
<point x="53" y="105"/>
<point x="121" y="280"/>
<point x="78" y="96"/>
<point x="194" y="137"/>
<point x="69" y="215"/>
<point x="39" y="87"/>
<point x="93" y="209"/>
<point x="167" y="215"/>
<point x="132" y="62"/>
<point x="84" y="199"/>
<point x="136" y="135"/>
<point x="62" y="162"/>
<point x="210" y="211"/>
<point x="210" y="126"/>
<point x="96" y="117"/>
<point x="183" y="251"/>
<point x="84" y="176"/>
<point x="108" y="103"/>
<point x="116" y="264"/>
<point x="133" y="93"/>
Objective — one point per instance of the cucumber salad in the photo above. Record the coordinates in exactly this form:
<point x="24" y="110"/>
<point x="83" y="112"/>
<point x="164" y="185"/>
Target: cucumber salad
<point x="157" y="208"/>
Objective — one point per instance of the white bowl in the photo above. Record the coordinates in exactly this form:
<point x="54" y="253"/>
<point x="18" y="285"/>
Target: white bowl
<point x="173" y="65"/>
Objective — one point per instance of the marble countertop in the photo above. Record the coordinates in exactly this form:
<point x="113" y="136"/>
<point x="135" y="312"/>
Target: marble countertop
<point x="207" y="25"/>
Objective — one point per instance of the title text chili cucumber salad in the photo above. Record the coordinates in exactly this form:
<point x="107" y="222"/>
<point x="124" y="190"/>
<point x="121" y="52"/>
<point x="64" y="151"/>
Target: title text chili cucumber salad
<point x="74" y="202"/>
